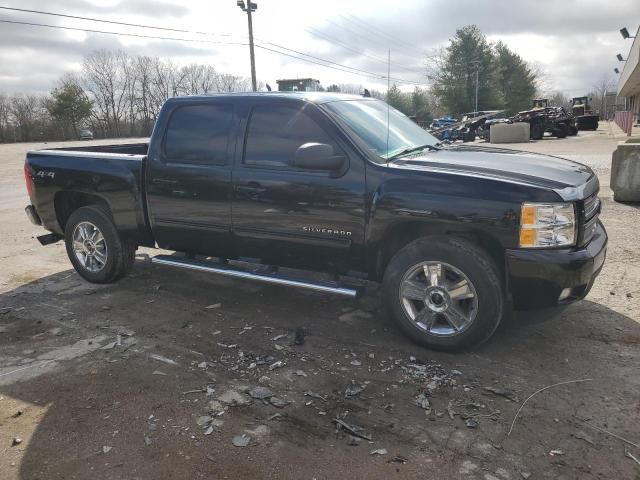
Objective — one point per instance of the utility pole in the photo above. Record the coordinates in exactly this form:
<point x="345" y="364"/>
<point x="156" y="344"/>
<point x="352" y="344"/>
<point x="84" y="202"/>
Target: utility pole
<point x="249" y="8"/>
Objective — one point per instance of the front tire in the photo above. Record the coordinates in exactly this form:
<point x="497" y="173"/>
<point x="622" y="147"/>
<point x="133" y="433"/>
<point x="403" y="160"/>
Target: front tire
<point x="445" y="294"/>
<point x="95" y="248"/>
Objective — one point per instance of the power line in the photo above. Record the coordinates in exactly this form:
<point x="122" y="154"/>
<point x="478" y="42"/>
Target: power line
<point x="347" y="46"/>
<point x="328" y="64"/>
<point x="113" y="22"/>
<point x="154" y="27"/>
<point x="377" y="31"/>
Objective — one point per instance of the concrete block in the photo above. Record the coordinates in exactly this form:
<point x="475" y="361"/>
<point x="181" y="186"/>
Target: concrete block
<point x="509" y="132"/>
<point x="625" y="172"/>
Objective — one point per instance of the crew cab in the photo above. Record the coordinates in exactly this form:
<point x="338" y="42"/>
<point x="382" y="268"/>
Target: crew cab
<point x="330" y="184"/>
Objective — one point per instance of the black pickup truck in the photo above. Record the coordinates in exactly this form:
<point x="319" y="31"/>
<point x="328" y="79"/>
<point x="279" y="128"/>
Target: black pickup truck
<point x="337" y="186"/>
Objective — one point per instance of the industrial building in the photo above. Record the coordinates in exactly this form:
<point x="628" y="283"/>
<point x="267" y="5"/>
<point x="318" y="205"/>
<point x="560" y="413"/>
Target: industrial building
<point x="629" y="81"/>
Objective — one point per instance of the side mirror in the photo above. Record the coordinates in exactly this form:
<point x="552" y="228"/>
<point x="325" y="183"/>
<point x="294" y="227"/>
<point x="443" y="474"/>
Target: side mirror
<point x="317" y="156"/>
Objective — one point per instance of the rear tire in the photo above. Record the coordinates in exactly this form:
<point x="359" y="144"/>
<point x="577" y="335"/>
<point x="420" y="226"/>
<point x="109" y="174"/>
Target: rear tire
<point x="95" y="248"/>
<point x="561" y="130"/>
<point x="459" y="308"/>
<point x="537" y="129"/>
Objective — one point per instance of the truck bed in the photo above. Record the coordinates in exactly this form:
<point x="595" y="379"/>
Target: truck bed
<point x="64" y="178"/>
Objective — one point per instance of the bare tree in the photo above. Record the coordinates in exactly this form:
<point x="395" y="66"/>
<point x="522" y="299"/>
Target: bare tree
<point x="599" y="95"/>
<point x="104" y="77"/>
<point x="4" y="118"/>
<point x="27" y="113"/>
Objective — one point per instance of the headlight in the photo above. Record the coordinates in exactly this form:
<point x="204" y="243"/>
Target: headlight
<point x="544" y="225"/>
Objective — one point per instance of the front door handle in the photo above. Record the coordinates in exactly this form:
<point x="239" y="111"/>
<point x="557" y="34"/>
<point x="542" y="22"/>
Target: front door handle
<point x="253" y="190"/>
<point x="163" y="181"/>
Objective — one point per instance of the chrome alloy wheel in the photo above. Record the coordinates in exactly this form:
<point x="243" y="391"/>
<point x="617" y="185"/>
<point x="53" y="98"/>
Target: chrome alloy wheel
<point x="89" y="246"/>
<point x="438" y="298"/>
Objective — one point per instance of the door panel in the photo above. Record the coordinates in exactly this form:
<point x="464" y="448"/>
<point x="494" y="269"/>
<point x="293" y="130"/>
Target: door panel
<point x="290" y="216"/>
<point x="189" y="180"/>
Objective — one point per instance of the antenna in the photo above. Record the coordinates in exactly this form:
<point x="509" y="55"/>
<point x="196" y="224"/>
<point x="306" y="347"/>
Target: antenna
<point x="388" y="106"/>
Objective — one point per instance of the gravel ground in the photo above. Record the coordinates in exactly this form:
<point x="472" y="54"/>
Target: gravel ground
<point x="157" y="376"/>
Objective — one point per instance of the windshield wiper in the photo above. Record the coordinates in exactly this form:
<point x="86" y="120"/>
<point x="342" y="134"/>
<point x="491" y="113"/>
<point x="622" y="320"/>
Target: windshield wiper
<point x="409" y="150"/>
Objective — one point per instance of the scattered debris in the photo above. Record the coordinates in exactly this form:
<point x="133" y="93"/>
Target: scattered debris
<point x="354" y="389"/>
<point x="502" y="392"/>
<point x="211" y="307"/>
<point x="106" y="449"/>
<point x="278" y="364"/>
<point x="209" y="430"/>
<point x="356" y="363"/>
<point x="260" y="393"/>
<point x="264" y="379"/>
<point x="199" y="390"/>
<point x="554" y="453"/>
<point x="628" y="454"/>
<point x="204" y="420"/>
<point x="279" y="337"/>
<point x="109" y="346"/>
<point x="301" y="373"/>
<point x="423" y="402"/>
<point x="16" y="441"/>
<point x="278" y="402"/>
<point x="379" y="451"/>
<point x="241" y="440"/>
<point x="162" y="359"/>
<point x="471" y="422"/>
<point x="311" y="394"/>
<point x="612" y="434"/>
<point x="351" y="317"/>
<point x="352" y="429"/>
<point x="580" y="435"/>
<point x="233" y="398"/>
<point x="538" y="391"/>
<point x="147" y="440"/>
<point x="158" y="372"/>
<point x="398" y="459"/>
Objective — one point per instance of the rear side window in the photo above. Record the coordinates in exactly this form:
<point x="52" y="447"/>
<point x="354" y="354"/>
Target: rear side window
<point x="276" y="132"/>
<point x="199" y="134"/>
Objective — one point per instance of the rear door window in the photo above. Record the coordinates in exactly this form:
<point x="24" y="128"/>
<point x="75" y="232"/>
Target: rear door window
<point x="199" y="134"/>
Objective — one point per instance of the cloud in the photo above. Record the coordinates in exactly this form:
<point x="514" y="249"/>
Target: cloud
<point x="575" y="41"/>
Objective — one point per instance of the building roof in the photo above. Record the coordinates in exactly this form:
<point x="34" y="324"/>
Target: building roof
<point x="629" y="81"/>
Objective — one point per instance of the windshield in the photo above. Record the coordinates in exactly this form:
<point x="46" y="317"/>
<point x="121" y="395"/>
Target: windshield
<point x="368" y="120"/>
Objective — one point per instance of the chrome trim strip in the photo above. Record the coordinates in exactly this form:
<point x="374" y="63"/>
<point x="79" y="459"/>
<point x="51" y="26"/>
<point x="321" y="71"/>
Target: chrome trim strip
<point x="83" y="154"/>
<point x="278" y="280"/>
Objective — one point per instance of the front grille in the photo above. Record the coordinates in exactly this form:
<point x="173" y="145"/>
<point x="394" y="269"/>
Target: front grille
<point x="589" y="218"/>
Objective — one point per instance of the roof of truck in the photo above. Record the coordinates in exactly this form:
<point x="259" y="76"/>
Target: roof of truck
<point x="314" y="97"/>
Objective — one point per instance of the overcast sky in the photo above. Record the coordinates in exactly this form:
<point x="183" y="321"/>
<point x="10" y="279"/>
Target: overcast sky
<point x="573" y="41"/>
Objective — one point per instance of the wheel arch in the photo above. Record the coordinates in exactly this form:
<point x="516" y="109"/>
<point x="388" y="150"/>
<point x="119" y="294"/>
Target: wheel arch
<point x="67" y="201"/>
<point x="403" y="233"/>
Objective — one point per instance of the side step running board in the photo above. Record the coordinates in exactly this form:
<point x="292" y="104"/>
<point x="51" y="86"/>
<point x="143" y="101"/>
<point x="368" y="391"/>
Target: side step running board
<point x="230" y="271"/>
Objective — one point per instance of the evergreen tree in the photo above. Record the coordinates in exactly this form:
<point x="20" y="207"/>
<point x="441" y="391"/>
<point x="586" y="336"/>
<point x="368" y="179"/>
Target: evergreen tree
<point x="454" y="81"/>
<point x="516" y="80"/>
<point x="69" y="105"/>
